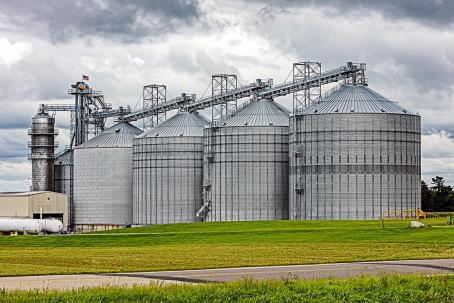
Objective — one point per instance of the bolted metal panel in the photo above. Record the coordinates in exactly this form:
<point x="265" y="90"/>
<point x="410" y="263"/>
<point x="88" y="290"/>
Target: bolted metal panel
<point x="63" y="167"/>
<point x="246" y="165"/>
<point x="349" y="165"/>
<point x="42" y="147"/>
<point x="103" y="178"/>
<point x="167" y="171"/>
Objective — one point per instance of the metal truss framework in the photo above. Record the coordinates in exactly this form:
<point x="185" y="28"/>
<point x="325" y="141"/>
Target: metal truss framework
<point x="153" y="96"/>
<point x="89" y="112"/>
<point x="302" y="71"/>
<point x="222" y="84"/>
<point x="86" y="103"/>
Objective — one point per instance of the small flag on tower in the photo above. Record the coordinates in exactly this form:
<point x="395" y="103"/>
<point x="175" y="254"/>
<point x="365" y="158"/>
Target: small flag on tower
<point x="85" y="77"/>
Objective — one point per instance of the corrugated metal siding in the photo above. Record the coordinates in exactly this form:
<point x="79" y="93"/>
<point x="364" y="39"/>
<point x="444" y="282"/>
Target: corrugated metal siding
<point x="103" y="186"/>
<point x="103" y="177"/>
<point x="167" y="171"/>
<point x="62" y="178"/>
<point x="120" y="135"/>
<point x="356" y="99"/>
<point x="353" y="166"/>
<point x="246" y="165"/>
<point x="260" y="113"/>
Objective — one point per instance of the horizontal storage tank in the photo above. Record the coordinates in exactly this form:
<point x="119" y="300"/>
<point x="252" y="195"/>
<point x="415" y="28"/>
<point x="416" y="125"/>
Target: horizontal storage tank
<point x="246" y="165"/>
<point x="167" y="171"/>
<point x="30" y="226"/>
<point x="353" y="156"/>
<point x="103" y="179"/>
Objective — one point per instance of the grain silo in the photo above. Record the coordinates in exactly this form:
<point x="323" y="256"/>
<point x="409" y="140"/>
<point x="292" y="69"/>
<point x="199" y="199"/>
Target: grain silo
<point x="63" y="166"/>
<point x="167" y="171"/>
<point x="354" y="155"/>
<point x="103" y="179"/>
<point x="246" y="165"/>
<point x="42" y="147"/>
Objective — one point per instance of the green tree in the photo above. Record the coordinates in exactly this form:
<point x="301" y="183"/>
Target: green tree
<point x="426" y="197"/>
<point x="441" y="194"/>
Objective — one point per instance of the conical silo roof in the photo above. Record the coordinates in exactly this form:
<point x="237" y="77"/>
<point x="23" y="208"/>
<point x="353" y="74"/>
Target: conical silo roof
<point x="183" y="124"/>
<point x="118" y="135"/>
<point x="260" y="113"/>
<point x="356" y="99"/>
<point x="63" y="159"/>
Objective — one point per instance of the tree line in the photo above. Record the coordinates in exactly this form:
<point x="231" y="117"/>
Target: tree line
<point x="437" y="197"/>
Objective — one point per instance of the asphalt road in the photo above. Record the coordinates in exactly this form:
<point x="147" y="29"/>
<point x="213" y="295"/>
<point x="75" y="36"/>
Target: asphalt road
<point x="334" y="270"/>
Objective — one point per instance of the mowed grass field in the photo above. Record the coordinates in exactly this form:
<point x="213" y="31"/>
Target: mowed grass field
<point x="387" y="289"/>
<point x="229" y="244"/>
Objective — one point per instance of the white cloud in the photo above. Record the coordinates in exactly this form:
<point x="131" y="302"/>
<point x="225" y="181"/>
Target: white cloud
<point x="12" y="53"/>
<point x="437" y="152"/>
<point x="15" y="176"/>
<point x="136" y="60"/>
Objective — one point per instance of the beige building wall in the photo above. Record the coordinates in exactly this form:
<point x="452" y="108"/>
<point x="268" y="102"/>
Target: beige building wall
<point x="28" y="203"/>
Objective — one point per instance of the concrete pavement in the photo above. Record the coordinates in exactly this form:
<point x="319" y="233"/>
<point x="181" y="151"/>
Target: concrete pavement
<point x="315" y="271"/>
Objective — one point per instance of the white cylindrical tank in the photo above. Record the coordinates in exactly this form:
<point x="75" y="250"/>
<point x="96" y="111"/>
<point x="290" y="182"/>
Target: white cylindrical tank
<point x="52" y="226"/>
<point x="30" y="226"/>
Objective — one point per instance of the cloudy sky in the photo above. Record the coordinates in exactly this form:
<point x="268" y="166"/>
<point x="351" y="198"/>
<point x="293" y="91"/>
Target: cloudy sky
<point x="122" y="45"/>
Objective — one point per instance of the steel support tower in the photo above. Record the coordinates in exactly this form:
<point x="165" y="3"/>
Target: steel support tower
<point x="222" y="84"/>
<point x="303" y="71"/>
<point x="87" y="102"/>
<point x="153" y="96"/>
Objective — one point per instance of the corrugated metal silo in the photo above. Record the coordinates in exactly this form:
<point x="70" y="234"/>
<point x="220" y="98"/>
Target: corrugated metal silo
<point x="103" y="179"/>
<point x="63" y="166"/>
<point x="246" y="165"/>
<point x="167" y="171"/>
<point x="354" y="155"/>
<point x="42" y="147"/>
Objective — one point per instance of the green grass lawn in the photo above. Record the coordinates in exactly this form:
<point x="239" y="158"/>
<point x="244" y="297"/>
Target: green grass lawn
<point x="229" y="244"/>
<point x="387" y="289"/>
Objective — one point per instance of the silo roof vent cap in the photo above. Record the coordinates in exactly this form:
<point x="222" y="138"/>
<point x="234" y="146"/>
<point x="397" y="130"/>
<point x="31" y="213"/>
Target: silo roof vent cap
<point x="405" y="111"/>
<point x="352" y="110"/>
<point x="245" y="123"/>
<point x="315" y="111"/>
<point x="117" y="130"/>
<point x="336" y="110"/>
<point x="382" y="110"/>
<point x="157" y="135"/>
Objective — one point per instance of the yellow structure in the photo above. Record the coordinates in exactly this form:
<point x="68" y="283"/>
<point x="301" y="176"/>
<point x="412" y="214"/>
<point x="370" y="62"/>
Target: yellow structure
<point x="420" y="214"/>
<point x="33" y="204"/>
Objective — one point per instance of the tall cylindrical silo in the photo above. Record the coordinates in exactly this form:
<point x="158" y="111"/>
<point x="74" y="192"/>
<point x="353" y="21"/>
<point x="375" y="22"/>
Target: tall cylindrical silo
<point x="167" y="171"/>
<point x="42" y="147"/>
<point x="103" y="179"/>
<point x="353" y="156"/>
<point x="63" y="166"/>
<point x="246" y="165"/>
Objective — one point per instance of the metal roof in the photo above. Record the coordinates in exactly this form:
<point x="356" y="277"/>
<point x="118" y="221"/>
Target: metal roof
<point x="356" y="99"/>
<point x="262" y="112"/>
<point x="183" y="124"/>
<point x="27" y="193"/>
<point x="119" y="135"/>
<point x="64" y="158"/>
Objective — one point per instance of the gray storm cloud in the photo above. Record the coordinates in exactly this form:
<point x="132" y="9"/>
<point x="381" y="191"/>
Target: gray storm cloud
<point x="122" y="45"/>
<point x="126" y="20"/>
<point x="430" y="12"/>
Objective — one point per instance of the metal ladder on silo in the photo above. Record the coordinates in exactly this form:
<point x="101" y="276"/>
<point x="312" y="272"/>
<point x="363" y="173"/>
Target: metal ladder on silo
<point x="299" y="190"/>
<point x="209" y="157"/>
